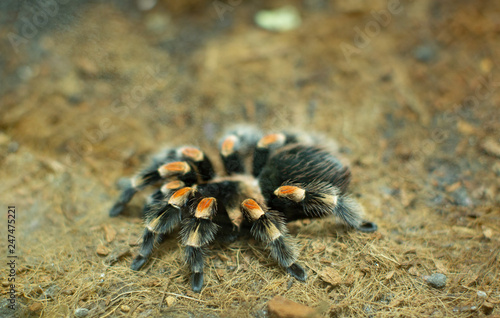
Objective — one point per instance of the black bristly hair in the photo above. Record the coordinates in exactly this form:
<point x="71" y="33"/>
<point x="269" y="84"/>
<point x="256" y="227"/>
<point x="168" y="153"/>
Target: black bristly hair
<point x="270" y="180"/>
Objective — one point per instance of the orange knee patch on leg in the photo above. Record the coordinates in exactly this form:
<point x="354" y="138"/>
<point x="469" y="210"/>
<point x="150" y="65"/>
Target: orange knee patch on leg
<point x="293" y="193"/>
<point x="271" y="139"/>
<point x="228" y="145"/>
<point x="252" y="208"/>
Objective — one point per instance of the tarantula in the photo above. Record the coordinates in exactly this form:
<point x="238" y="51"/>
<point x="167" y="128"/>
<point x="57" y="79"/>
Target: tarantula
<point x="292" y="177"/>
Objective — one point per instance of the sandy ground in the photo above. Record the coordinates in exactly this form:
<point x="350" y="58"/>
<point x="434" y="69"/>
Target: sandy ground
<point x="410" y="92"/>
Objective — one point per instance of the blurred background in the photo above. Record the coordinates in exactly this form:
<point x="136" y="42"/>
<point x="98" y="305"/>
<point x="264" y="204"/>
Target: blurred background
<point x="408" y="89"/>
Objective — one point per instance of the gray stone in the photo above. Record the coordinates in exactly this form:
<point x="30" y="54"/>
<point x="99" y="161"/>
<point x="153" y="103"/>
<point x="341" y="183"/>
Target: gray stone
<point x="424" y="53"/>
<point x="436" y="280"/>
<point x="81" y="312"/>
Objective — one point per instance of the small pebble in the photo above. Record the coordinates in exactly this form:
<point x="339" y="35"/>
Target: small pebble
<point x="146" y="5"/>
<point x="25" y="72"/>
<point x="170" y="300"/>
<point x="13" y="147"/>
<point x="481" y="294"/>
<point x="280" y="20"/>
<point x="35" y="307"/>
<point x="81" y="312"/>
<point x="424" y="53"/>
<point x="491" y="147"/>
<point x="436" y="280"/>
<point x="125" y="308"/>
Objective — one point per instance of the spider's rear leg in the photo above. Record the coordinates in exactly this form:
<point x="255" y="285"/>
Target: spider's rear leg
<point x="196" y="233"/>
<point x="319" y="199"/>
<point x="235" y="146"/>
<point x="231" y="158"/>
<point x="200" y="161"/>
<point x="266" y="146"/>
<point x="160" y="220"/>
<point x="269" y="227"/>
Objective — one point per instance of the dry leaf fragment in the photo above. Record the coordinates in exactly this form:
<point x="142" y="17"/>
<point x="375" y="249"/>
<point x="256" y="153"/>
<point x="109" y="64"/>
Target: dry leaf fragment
<point x="390" y="275"/>
<point x="109" y="233"/>
<point x="102" y="250"/>
<point x="487" y="232"/>
<point x="414" y="271"/>
<point x="170" y="300"/>
<point x="491" y="147"/>
<point x="281" y="307"/>
<point x="331" y="276"/>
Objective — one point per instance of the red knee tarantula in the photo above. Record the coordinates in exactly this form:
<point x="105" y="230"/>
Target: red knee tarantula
<point x="292" y="177"/>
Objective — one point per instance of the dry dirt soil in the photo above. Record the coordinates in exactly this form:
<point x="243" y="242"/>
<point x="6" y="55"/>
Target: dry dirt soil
<point x="410" y="92"/>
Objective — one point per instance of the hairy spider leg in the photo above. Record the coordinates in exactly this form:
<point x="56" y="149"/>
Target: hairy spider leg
<point x="307" y="181"/>
<point x="201" y="162"/>
<point x="235" y="146"/>
<point x="196" y="233"/>
<point x="162" y="220"/>
<point x="297" y="163"/>
<point x="320" y="199"/>
<point x="166" y="155"/>
<point x="181" y="170"/>
<point x="266" y="146"/>
<point x="162" y="194"/>
<point x="231" y="158"/>
<point x="269" y="227"/>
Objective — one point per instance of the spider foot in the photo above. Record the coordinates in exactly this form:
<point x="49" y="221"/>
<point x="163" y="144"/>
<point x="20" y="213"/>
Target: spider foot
<point x="297" y="271"/>
<point x="367" y="227"/>
<point x="116" y="209"/>
<point x="138" y="262"/>
<point x="197" y="282"/>
<point x="124" y="198"/>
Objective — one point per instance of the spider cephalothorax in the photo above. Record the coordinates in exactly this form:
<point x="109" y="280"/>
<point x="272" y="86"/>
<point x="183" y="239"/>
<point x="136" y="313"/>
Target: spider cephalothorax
<point x="292" y="177"/>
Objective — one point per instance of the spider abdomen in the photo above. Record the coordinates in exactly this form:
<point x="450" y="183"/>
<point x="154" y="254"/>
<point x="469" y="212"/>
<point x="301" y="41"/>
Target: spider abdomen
<point x="302" y="164"/>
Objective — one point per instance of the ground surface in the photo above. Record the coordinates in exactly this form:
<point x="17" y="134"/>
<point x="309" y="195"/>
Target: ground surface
<point x="412" y="102"/>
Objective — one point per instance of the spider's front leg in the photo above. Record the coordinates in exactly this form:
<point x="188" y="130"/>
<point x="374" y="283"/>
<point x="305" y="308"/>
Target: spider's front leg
<point x="162" y="194"/>
<point x="179" y="169"/>
<point x="187" y="164"/>
<point x="196" y="233"/>
<point x="269" y="227"/>
<point x="162" y="219"/>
